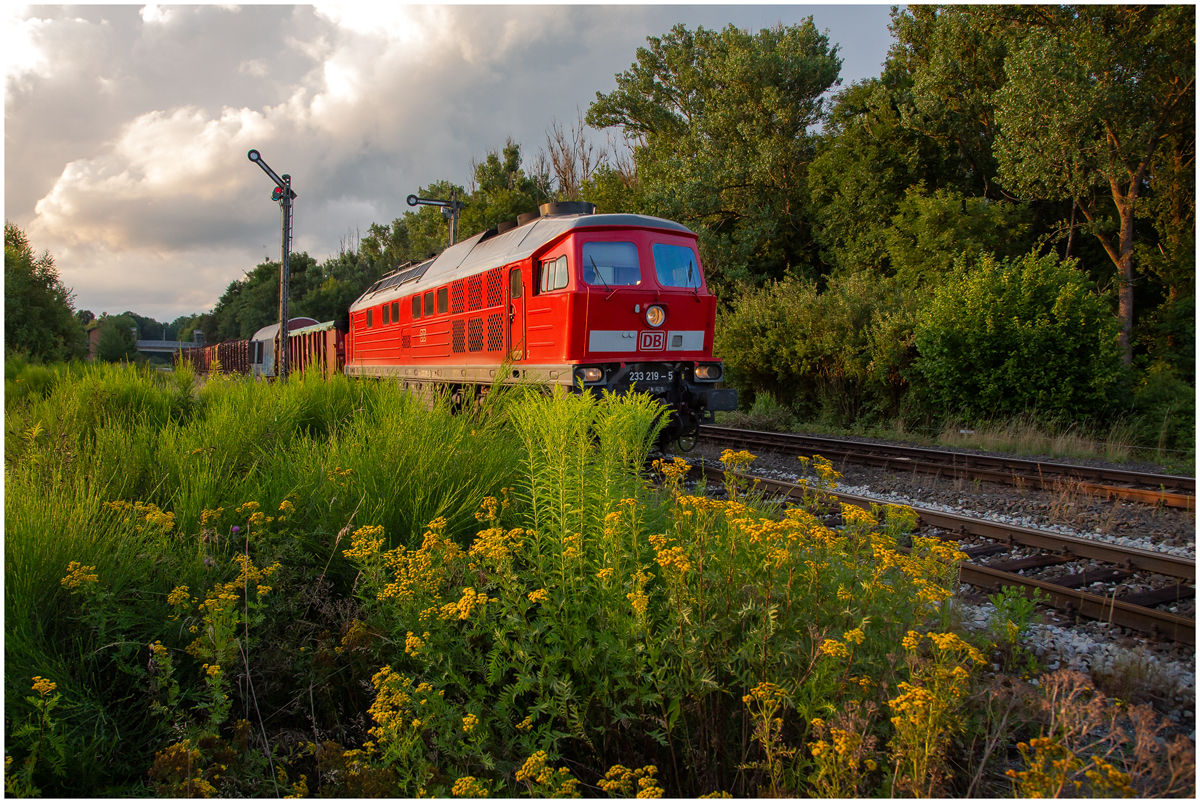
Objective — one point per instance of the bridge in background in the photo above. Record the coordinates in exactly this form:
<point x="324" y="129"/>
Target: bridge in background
<point x="166" y="346"/>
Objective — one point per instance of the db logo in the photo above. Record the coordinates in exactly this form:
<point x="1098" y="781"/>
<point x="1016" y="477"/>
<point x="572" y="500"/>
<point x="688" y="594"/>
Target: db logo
<point x="653" y="341"/>
<point x="422" y="334"/>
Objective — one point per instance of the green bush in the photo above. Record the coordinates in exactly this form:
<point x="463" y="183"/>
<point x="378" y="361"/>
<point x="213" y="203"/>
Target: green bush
<point x="1165" y="408"/>
<point x="838" y="355"/>
<point x="1018" y="335"/>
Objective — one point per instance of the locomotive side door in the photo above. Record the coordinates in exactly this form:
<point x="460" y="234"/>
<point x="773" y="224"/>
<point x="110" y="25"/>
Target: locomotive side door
<point x="516" y="315"/>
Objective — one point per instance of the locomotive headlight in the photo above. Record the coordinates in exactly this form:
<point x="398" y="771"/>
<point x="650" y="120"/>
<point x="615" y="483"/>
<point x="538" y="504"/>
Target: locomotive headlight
<point x="655" y="315"/>
<point x="590" y="374"/>
<point x="708" y="373"/>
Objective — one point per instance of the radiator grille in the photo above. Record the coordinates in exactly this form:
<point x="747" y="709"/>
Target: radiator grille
<point x="458" y="337"/>
<point x="475" y="334"/>
<point x="495" y="332"/>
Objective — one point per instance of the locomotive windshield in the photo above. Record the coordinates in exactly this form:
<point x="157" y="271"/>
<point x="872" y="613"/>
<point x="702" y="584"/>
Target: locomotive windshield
<point x="676" y="266"/>
<point x="611" y="264"/>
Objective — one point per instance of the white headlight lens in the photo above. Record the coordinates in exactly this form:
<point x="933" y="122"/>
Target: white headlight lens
<point x="591" y="374"/>
<point x="655" y="315"/>
<point x="708" y="372"/>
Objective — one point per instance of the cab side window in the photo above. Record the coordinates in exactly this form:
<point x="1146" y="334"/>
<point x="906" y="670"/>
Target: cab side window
<point x="416" y="307"/>
<point x="553" y="274"/>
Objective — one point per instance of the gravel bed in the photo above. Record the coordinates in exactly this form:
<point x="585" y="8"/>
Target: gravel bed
<point x="1162" y="670"/>
<point x="1113" y="656"/>
<point x="1089" y="462"/>
<point x="1066" y="511"/>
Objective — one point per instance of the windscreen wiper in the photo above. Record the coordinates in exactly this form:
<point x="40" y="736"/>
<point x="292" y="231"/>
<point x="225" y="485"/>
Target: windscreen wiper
<point x="596" y="270"/>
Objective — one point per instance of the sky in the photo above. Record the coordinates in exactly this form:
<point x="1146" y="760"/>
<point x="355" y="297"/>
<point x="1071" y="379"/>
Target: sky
<point x="126" y="128"/>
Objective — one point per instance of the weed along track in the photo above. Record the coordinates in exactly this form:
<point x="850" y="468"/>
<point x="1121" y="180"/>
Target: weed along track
<point x="1107" y="483"/>
<point x="999" y="554"/>
<point x="397" y="600"/>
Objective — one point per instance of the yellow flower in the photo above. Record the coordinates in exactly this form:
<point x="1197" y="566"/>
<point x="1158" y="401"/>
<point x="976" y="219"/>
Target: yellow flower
<point x="79" y="576"/>
<point x="525" y="724"/>
<point x="469" y="722"/>
<point x="856" y="636"/>
<point x="541" y="595"/>
<point x="468" y="786"/>
<point x="43" y="686"/>
<point x="286" y="507"/>
<point x="365" y="542"/>
<point x="413" y="644"/>
<point x="835" y="649"/>
<point x="855" y="515"/>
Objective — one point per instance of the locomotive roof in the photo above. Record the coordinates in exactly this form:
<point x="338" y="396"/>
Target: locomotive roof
<point x="482" y="252"/>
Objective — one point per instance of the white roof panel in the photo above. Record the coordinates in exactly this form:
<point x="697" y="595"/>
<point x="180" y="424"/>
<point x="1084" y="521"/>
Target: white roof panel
<point x="476" y="255"/>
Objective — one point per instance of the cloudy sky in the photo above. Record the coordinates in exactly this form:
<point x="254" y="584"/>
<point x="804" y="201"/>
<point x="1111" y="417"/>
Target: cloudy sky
<point x="127" y="127"/>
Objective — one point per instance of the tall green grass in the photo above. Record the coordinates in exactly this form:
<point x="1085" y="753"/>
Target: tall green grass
<point x="343" y="452"/>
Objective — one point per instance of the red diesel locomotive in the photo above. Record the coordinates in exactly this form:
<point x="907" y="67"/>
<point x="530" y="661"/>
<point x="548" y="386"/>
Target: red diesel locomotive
<point x="565" y="297"/>
<point x="569" y="297"/>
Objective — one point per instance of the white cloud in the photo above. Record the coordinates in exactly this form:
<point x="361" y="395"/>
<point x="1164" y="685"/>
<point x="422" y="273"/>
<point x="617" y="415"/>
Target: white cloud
<point x="156" y="15"/>
<point x="22" y="53"/>
<point x="256" y="67"/>
<point x="127" y="128"/>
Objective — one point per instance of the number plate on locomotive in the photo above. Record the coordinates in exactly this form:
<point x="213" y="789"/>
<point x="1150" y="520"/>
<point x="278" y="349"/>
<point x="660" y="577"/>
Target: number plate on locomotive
<point x="652" y="377"/>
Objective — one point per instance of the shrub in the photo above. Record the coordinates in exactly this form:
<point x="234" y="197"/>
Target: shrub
<point x="1165" y="407"/>
<point x="838" y="354"/>
<point x="1018" y="335"/>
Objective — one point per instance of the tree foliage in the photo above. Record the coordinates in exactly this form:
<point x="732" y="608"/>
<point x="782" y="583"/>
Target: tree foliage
<point x="117" y="341"/>
<point x="723" y="123"/>
<point x="1005" y="337"/>
<point x="39" y="314"/>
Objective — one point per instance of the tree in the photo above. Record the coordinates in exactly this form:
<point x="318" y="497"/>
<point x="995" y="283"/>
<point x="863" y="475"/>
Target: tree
<point x="502" y="191"/>
<point x="955" y="66"/>
<point x="840" y="354"/>
<point x="867" y="160"/>
<point x="1091" y="94"/>
<point x="39" y="316"/>
<point x="932" y="231"/>
<point x="724" y="123"/>
<point x="573" y="159"/>
<point x="252" y="302"/>
<point x="117" y="342"/>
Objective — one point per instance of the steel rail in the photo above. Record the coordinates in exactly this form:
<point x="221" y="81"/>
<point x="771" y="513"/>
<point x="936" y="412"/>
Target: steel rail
<point x="1112" y="610"/>
<point x="1167" y="489"/>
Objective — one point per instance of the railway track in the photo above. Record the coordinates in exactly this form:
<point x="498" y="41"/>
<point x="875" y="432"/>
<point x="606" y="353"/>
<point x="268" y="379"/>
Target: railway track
<point x="1156" y="489"/>
<point x="1136" y="611"/>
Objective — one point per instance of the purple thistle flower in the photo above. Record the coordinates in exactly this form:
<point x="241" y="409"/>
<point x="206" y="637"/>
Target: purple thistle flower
<point x="236" y="529"/>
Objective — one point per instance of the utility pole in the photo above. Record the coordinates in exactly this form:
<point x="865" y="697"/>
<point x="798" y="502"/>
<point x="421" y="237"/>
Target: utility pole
<point x="284" y="196"/>
<point x="450" y="210"/>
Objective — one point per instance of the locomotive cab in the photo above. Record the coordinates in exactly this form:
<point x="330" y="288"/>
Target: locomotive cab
<point x="636" y="316"/>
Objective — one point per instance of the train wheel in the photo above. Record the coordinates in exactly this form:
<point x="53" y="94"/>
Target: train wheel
<point x="688" y="439"/>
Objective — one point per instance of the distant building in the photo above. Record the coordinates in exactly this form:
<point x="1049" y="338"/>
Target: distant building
<point x="92" y="328"/>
